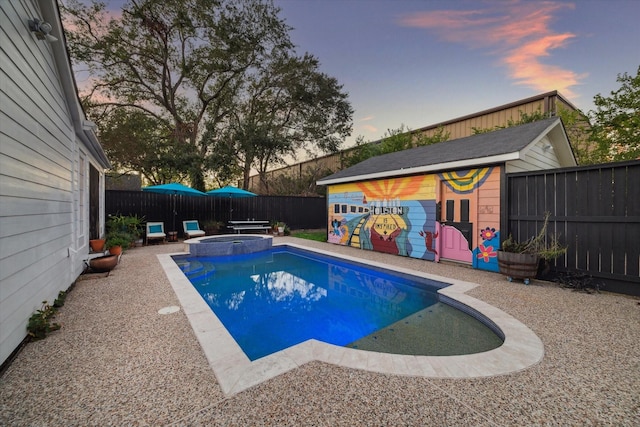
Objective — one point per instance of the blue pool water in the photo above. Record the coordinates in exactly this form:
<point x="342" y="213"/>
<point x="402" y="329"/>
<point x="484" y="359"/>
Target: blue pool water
<point x="278" y="298"/>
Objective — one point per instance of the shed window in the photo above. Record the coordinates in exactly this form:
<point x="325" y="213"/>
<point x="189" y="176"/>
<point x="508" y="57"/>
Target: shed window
<point x="464" y="210"/>
<point x="450" y="210"/>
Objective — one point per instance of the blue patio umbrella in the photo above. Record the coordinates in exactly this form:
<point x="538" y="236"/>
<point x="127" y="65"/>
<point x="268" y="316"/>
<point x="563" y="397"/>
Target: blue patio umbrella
<point x="175" y="189"/>
<point x="232" y="193"/>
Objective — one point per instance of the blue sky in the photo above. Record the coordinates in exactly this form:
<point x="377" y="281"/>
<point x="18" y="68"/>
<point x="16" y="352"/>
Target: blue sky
<point x="418" y="62"/>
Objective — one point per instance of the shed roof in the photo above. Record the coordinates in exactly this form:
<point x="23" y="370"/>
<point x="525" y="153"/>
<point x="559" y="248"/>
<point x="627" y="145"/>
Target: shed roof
<point x="485" y="148"/>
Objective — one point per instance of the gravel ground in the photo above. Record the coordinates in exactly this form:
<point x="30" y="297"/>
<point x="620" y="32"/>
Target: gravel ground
<point x="117" y="361"/>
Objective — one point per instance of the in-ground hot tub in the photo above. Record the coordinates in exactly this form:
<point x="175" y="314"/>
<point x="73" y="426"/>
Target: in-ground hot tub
<point x="227" y="244"/>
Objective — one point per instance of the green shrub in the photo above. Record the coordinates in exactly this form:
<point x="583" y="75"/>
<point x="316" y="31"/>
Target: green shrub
<point x="59" y="302"/>
<point x="547" y="248"/>
<point x="39" y="324"/>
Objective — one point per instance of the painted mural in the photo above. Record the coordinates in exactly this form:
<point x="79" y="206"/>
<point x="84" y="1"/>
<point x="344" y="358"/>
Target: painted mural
<point x="395" y="216"/>
<point x="485" y="255"/>
<point x="399" y="216"/>
<point x="471" y="216"/>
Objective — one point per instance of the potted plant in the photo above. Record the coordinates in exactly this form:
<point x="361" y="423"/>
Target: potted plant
<point x="522" y="260"/>
<point x="281" y="226"/>
<point x="135" y="228"/>
<point x="117" y="242"/>
<point x="103" y="264"/>
<point x="123" y="231"/>
<point x="97" y="245"/>
<point x="131" y="225"/>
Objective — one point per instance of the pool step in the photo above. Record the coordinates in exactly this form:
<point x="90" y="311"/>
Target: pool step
<point x="196" y="270"/>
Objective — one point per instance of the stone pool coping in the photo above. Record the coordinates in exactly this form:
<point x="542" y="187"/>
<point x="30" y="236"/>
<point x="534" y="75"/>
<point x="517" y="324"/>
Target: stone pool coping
<point x="235" y="372"/>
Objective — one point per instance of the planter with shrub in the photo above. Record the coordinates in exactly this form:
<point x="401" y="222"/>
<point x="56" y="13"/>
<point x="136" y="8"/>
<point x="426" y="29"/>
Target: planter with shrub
<point x="523" y="260"/>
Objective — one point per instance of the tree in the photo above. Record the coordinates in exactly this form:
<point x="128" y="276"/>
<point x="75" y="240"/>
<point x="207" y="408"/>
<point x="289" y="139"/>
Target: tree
<point x="616" y="121"/>
<point x="286" y="106"/>
<point x="302" y="184"/>
<point x="178" y="62"/>
<point x="136" y="142"/>
<point x="577" y="127"/>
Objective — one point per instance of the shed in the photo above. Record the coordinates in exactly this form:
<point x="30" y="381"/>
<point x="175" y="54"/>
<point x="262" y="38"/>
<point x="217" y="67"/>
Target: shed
<point x="51" y="168"/>
<point x="442" y="201"/>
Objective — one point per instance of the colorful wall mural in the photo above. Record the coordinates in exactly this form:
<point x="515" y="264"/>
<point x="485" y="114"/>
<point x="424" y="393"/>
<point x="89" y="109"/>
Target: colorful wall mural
<point x="453" y="215"/>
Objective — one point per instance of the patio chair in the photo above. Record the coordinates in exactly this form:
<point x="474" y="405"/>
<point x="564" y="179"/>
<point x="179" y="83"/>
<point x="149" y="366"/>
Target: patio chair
<point x="192" y="229"/>
<point x="155" y="231"/>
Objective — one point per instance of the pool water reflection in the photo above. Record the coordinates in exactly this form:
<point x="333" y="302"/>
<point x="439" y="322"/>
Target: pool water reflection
<point x="275" y="299"/>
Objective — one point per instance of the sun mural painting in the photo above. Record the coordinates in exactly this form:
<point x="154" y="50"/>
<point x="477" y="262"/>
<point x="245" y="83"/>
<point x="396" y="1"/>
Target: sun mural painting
<point x="385" y="215"/>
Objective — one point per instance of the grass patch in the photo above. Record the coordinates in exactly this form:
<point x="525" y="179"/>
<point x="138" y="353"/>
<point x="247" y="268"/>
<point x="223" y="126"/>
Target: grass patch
<point x="318" y="235"/>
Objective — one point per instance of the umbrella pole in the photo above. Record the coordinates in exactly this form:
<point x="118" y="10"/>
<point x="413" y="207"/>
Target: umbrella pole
<point x="174" y="212"/>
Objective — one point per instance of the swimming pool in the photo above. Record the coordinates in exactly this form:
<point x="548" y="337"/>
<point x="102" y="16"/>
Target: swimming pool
<point x="277" y="298"/>
<point x="235" y="372"/>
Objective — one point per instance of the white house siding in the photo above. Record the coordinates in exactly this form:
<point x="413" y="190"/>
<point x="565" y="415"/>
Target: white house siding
<point x="536" y="158"/>
<point x="44" y="175"/>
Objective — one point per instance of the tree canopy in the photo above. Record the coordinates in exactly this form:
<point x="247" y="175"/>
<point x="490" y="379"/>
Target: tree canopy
<point x="286" y="107"/>
<point x="616" y="121"/>
<point x="204" y="73"/>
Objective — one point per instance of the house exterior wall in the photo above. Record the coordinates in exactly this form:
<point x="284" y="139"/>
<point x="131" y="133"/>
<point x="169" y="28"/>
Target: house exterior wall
<point x="407" y="216"/>
<point x="44" y="177"/>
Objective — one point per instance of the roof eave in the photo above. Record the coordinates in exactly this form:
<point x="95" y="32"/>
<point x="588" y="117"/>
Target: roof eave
<point x="458" y="164"/>
<point x="84" y="129"/>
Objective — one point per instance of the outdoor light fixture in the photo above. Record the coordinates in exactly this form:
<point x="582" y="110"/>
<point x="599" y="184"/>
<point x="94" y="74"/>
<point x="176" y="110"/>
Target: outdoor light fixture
<point x="547" y="147"/>
<point x="42" y="30"/>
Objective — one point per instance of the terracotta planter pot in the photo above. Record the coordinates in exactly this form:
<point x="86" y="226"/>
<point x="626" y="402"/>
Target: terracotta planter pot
<point x="518" y="266"/>
<point x="103" y="263"/>
<point x="97" y="245"/>
<point x="115" y="250"/>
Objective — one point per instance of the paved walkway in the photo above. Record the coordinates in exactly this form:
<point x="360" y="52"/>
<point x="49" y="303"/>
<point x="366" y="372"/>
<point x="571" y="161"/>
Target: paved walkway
<point x="118" y="361"/>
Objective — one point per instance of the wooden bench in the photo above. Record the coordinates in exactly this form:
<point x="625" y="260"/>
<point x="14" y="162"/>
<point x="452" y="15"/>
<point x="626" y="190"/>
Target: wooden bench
<point x="248" y="225"/>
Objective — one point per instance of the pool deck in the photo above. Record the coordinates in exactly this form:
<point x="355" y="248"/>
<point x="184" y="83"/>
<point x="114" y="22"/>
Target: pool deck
<point x="124" y="357"/>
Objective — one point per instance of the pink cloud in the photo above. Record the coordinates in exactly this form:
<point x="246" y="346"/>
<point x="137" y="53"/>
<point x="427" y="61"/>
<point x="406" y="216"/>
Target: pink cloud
<point x="369" y="128"/>
<point x="518" y="32"/>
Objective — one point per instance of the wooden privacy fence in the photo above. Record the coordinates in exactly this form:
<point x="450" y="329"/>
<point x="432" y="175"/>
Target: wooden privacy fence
<point x="296" y="212"/>
<point x="595" y="210"/>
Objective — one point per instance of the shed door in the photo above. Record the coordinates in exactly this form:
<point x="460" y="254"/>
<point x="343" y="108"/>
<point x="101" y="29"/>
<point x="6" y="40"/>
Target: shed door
<point x="456" y="233"/>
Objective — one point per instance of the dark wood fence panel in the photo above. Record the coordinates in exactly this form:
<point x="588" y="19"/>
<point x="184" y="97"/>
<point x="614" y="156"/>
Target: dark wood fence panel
<point x="595" y="210"/>
<point x="296" y="212"/>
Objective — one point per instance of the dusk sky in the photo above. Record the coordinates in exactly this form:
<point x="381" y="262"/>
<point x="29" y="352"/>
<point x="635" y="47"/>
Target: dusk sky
<point x="420" y="62"/>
